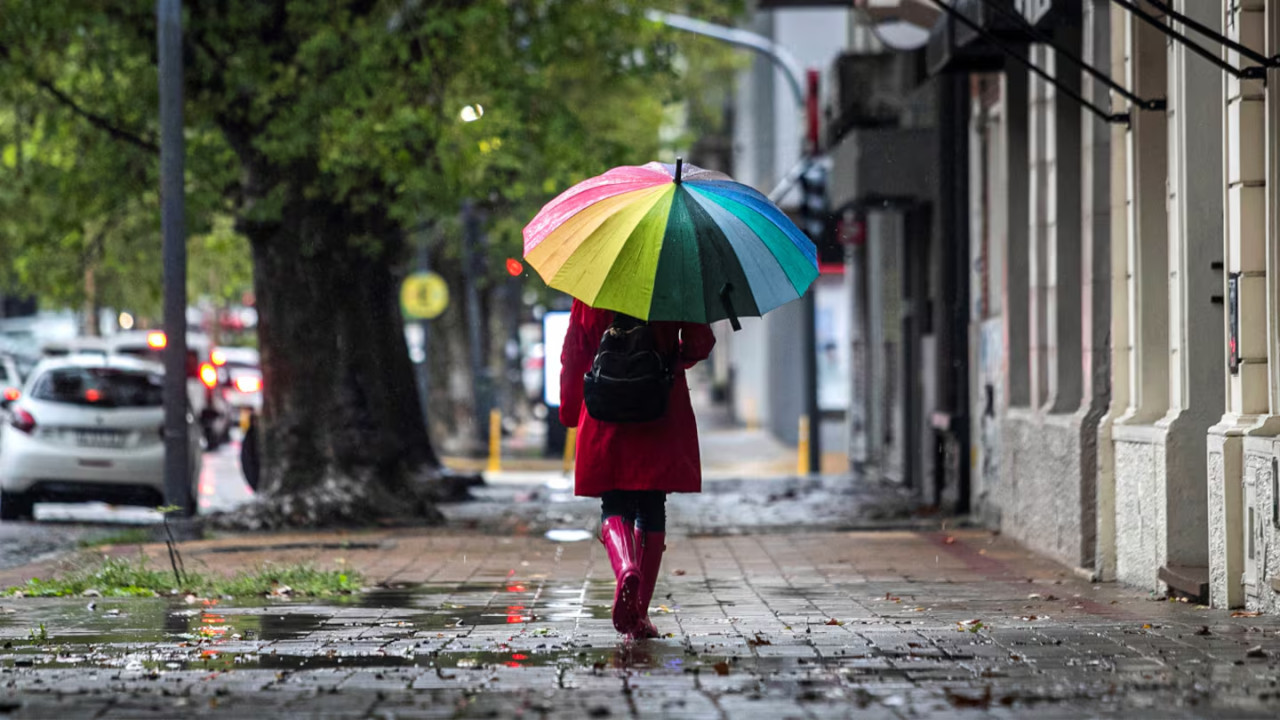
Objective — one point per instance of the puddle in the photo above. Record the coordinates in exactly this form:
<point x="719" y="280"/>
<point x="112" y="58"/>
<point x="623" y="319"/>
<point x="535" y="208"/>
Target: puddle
<point x="165" y="633"/>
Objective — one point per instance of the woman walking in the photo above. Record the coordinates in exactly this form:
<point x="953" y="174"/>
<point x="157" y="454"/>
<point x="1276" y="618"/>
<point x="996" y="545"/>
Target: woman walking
<point x="631" y="466"/>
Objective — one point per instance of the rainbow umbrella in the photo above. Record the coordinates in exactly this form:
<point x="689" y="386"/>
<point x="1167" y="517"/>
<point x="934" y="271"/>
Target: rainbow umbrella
<point x="670" y="242"/>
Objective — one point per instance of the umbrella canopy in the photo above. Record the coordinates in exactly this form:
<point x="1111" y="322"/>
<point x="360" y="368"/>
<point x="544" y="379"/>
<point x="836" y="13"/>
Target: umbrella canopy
<point x="670" y="242"/>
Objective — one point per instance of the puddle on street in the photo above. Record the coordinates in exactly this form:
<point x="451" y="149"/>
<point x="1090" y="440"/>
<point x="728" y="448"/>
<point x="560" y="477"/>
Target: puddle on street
<point x="157" y="634"/>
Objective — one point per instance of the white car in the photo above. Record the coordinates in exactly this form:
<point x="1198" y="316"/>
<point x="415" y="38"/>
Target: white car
<point x="203" y="377"/>
<point x="85" y="428"/>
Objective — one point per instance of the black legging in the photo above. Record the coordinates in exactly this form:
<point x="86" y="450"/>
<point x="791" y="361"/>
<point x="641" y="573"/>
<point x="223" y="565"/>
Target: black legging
<point x="646" y="508"/>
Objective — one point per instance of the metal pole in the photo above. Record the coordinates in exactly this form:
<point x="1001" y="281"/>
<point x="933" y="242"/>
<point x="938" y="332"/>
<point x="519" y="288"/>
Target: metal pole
<point x="470" y="239"/>
<point x="424" y="367"/>
<point x="810" y="331"/>
<point x="177" y="461"/>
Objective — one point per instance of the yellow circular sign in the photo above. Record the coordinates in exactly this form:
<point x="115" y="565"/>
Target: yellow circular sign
<point x="424" y="296"/>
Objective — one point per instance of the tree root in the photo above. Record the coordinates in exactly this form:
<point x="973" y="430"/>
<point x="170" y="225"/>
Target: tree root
<point x="342" y="500"/>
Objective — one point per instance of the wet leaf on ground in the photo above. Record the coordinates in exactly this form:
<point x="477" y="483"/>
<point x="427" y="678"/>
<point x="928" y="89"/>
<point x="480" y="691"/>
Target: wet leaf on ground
<point x="964" y="700"/>
<point x="1246" y="613"/>
<point x="758" y="640"/>
<point x="721" y="668"/>
<point x="677" y="572"/>
<point x="834" y="622"/>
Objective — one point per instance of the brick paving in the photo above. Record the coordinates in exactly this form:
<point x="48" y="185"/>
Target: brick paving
<point x="801" y="624"/>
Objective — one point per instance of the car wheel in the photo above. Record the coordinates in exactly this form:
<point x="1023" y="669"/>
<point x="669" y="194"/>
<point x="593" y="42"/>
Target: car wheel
<point x="16" y="506"/>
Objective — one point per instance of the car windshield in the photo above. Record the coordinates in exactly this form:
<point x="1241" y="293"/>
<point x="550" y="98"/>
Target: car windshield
<point x="100" y="387"/>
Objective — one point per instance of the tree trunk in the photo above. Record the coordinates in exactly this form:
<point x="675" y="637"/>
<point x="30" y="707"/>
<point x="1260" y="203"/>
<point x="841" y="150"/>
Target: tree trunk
<point x="343" y="440"/>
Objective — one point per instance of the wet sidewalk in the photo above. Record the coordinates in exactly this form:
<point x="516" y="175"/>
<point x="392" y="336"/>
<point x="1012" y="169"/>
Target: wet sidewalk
<point x="888" y="624"/>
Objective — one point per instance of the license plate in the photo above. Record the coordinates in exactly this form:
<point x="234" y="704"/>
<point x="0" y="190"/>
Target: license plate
<point x="99" y="438"/>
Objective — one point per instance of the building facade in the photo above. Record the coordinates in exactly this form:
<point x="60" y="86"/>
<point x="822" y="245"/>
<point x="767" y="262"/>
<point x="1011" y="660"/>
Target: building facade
<point x="1121" y="234"/>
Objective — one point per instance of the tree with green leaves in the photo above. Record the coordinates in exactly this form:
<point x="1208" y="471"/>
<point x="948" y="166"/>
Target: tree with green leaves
<point x="324" y="129"/>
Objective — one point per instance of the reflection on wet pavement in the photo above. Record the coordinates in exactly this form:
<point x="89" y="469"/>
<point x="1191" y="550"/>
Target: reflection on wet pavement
<point x="778" y="626"/>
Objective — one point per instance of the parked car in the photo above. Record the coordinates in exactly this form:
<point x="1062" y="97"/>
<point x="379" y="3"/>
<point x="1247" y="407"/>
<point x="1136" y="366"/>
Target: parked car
<point x="10" y="379"/>
<point x="203" y="377"/>
<point x="87" y="427"/>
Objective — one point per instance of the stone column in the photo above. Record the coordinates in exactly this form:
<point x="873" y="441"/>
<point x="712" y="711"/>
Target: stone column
<point x="1140" y="505"/>
<point x="1248" y="393"/>
<point x="1194" y="324"/>
<point x="1118" y="287"/>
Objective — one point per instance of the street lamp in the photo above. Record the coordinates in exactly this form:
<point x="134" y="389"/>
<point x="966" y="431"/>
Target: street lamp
<point x="805" y="91"/>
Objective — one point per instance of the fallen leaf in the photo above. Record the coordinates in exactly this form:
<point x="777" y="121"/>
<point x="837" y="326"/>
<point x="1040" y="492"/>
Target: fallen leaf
<point x="835" y="622"/>
<point x="1204" y="630"/>
<point x="1030" y="618"/>
<point x="758" y="640"/>
<point x="721" y="668"/>
<point x="982" y="551"/>
<point x="950" y="540"/>
<point x="677" y="572"/>
<point x="960" y="700"/>
<point x="1034" y="596"/>
<point x="1146" y="626"/>
<point x="1246" y="613"/>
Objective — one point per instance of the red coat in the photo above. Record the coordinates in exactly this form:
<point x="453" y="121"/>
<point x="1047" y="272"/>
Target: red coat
<point x="658" y="455"/>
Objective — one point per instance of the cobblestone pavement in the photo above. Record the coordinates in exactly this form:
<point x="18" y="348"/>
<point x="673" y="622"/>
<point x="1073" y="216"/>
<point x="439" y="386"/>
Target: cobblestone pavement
<point x="888" y="624"/>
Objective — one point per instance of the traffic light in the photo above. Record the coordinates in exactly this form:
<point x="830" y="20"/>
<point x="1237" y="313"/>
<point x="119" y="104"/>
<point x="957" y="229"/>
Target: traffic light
<point x="815" y="214"/>
<point x="813" y="204"/>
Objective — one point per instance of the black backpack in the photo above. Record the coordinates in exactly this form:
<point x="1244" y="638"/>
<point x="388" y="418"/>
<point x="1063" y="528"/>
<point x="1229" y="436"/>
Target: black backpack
<point x="629" y="381"/>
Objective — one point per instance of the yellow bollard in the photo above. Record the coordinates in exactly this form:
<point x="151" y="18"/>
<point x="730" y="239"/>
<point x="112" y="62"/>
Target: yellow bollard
<point x="802" y="447"/>
<point x="495" y="441"/>
<point x="570" y="446"/>
<point x="749" y="410"/>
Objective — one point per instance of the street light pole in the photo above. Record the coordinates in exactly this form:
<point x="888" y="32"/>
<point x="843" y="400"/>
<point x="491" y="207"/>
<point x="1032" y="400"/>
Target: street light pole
<point x="479" y="374"/>
<point x="804" y="90"/>
<point x="177" y="461"/>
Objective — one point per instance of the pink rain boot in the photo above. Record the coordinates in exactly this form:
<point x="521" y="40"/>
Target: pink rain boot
<point x="616" y="534"/>
<point x="649" y="548"/>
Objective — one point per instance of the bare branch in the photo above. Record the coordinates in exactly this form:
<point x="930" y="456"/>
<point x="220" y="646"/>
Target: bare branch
<point x="97" y="120"/>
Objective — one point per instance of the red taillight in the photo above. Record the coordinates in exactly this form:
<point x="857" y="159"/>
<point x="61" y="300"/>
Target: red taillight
<point x="22" y="421"/>
<point x="208" y="375"/>
<point x="11" y="394"/>
<point x="92" y="395"/>
<point x="218" y="357"/>
<point x="248" y="384"/>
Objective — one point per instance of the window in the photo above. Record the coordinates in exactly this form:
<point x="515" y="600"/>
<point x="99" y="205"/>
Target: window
<point x="100" y="387"/>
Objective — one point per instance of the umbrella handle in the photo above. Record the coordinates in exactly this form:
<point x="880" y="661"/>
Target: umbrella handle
<point x="728" y="306"/>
